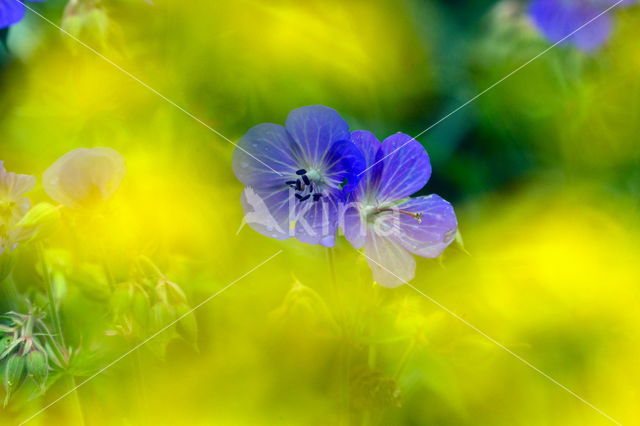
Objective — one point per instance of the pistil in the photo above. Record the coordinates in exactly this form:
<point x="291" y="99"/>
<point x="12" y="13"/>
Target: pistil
<point x="416" y="216"/>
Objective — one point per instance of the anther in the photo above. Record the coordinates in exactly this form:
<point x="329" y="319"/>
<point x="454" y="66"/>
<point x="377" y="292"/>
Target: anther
<point x="306" y="180"/>
<point x="298" y="185"/>
<point x="299" y="197"/>
<point x="290" y="182"/>
<point x="316" y="197"/>
<point x="301" y="172"/>
<point x="305" y="198"/>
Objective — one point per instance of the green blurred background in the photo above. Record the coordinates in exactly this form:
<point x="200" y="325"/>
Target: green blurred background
<point x="543" y="172"/>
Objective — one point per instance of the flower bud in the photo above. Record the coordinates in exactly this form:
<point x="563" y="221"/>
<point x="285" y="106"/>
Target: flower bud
<point x="91" y="280"/>
<point x="187" y="327"/>
<point x="162" y="315"/>
<point x="13" y="375"/>
<point x="84" y="177"/>
<point x="37" y="367"/>
<point x="175" y="294"/>
<point x="121" y="300"/>
<point x="40" y="221"/>
<point x="85" y="19"/>
<point x="306" y="308"/>
<point x="140" y="308"/>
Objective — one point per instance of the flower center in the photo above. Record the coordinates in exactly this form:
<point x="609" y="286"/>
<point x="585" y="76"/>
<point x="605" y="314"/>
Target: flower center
<point x="306" y="185"/>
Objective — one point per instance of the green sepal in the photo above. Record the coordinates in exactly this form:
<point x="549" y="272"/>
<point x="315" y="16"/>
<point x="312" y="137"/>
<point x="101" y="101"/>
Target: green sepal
<point x="38" y="367"/>
<point x="13" y="375"/>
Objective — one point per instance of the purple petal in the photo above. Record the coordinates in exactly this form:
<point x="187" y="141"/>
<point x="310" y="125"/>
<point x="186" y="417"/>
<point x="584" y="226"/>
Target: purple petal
<point x="624" y="3"/>
<point x="343" y="163"/>
<point x="405" y="168"/>
<point x="267" y="211"/>
<point x="557" y="19"/>
<point x="265" y="157"/>
<point x="369" y="145"/>
<point x="11" y="12"/>
<point x="354" y="228"/>
<point x="317" y="222"/>
<point x="429" y="236"/>
<point x="390" y="263"/>
<point x="315" y="129"/>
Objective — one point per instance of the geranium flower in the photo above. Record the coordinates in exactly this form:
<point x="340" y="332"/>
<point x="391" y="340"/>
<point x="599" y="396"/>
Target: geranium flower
<point x="298" y="175"/>
<point x="84" y="177"/>
<point x="381" y="217"/>
<point x="12" y="12"/>
<point x="13" y="205"/>
<point x="556" y="19"/>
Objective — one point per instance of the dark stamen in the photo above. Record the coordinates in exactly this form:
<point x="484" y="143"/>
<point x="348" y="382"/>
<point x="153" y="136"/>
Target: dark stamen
<point x="306" y="180"/>
<point x="298" y="185"/>
<point x="316" y="197"/>
<point x="305" y="198"/>
<point x="299" y="197"/>
<point x="290" y="182"/>
<point x="301" y="172"/>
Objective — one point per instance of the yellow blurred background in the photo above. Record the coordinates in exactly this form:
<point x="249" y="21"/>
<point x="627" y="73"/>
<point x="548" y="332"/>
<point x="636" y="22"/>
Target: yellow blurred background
<point x="542" y="171"/>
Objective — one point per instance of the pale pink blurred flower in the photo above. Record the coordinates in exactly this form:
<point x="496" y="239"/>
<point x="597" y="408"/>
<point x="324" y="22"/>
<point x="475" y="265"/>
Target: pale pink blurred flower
<point x="13" y="205"/>
<point x="84" y="177"/>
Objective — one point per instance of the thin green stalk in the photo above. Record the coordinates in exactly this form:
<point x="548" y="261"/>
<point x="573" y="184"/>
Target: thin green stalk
<point x="372" y="357"/>
<point x="343" y="357"/>
<point x="10" y="298"/>
<point x="140" y="387"/>
<point x="405" y="358"/>
<point x="57" y="324"/>
<point x="77" y="401"/>
<point x="48" y="281"/>
<point x="107" y="269"/>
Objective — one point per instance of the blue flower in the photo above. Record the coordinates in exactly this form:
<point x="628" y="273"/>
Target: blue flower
<point x="12" y="12"/>
<point x="381" y="217"/>
<point x="556" y="19"/>
<point x="298" y="176"/>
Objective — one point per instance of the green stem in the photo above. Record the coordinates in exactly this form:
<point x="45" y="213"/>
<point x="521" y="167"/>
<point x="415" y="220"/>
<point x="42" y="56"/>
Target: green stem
<point x="108" y="273"/>
<point x="57" y="324"/>
<point x="9" y="296"/>
<point x="77" y="401"/>
<point x="343" y="356"/>
<point x="405" y="358"/>
<point x="48" y="281"/>
<point x="372" y="357"/>
<point x="140" y="386"/>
